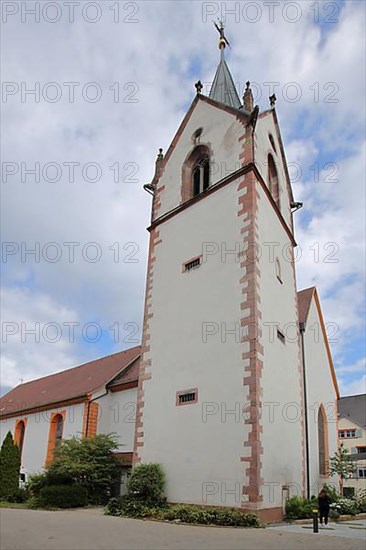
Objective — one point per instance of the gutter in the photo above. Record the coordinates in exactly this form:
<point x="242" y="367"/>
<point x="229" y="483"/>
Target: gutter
<point x="307" y="453"/>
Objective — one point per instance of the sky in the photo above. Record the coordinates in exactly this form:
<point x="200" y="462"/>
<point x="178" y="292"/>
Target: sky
<point x="91" y="90"/>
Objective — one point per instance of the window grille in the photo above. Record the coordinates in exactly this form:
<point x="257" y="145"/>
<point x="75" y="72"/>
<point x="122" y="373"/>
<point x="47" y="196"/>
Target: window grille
<point x="193" y="264"/>
<point x="187" y="397"/>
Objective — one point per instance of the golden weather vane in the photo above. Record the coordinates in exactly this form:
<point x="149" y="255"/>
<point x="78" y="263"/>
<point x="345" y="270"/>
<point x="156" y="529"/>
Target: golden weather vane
<point x="223" y="40"/>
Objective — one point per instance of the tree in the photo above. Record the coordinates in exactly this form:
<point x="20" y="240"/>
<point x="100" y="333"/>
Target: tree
<point x="342" y="465"/>
<point x="9" y="468"/>
<point x="89" y="461"/>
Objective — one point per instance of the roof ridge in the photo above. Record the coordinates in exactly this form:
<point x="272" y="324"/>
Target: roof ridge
<point x="308" y="288"/>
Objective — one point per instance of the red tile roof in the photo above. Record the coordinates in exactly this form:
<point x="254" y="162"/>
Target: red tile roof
<point x="71" y="383"/>
<point x="304" y="298"/>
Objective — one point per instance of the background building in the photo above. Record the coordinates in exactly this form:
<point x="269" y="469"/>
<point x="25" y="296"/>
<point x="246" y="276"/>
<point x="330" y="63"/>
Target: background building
<point x="352" y="434"/>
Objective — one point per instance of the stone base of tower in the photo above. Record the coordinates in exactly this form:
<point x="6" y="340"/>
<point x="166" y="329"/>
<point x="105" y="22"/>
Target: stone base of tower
<point x="270" y="515"/>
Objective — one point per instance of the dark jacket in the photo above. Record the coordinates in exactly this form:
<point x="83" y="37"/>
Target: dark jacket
<point x="324" y="501"/>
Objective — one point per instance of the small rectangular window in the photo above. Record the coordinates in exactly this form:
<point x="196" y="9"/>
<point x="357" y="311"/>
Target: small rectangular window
<point x="192" y="264"/>
<point x="361" y="449"/>
<point x="186" y="397"/>
<point x="280" y="336"/>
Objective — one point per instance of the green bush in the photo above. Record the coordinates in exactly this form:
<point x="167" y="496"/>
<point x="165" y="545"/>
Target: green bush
<point x="300" y="508"/>
<point x="63" y="496"/>
<point x="32" y="503"/>
<point x="348" y="492"/>
<point x="89" y="461"/>
<point x="134" y="507"/>
<point x="360" y="499"/>
<point x="210" y="516"/>
<point x="9" y="469"/>
<point x="35" y="483"/>
<point x="147" y="481"/>
<point x="21" y="495"/>
<point x="113" y="506"/>
<point x="347" y="506"/>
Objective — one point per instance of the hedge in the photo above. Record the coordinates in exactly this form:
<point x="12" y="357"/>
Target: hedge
<point x="211" y="516"/>
<point x="129" y="506"/>
<point x="63" y="496"/>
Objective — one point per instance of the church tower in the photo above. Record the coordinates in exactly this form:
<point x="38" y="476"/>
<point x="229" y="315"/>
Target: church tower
<point x="220" y="395"/>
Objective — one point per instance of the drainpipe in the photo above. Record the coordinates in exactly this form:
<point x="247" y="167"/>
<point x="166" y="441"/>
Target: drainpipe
<point x="88" y="413"/>
<point x="302" y="331"/>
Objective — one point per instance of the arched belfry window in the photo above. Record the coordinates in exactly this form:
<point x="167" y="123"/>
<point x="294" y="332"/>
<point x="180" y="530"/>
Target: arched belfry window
<point x="323" y="451"/>
<point x="196" y="173"/>
<point x="201" y="176"/>
<point x="273" y="180"/>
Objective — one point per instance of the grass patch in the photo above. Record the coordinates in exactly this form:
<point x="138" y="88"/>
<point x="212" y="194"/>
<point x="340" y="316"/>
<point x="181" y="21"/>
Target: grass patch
<point x="5" y="504"/>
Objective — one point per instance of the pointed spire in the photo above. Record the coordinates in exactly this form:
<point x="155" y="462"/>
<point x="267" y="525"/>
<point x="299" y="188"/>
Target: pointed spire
<point x="223" y="87"/>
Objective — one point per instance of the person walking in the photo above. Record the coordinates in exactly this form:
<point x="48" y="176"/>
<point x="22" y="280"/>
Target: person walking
<point x="324" y="501"/>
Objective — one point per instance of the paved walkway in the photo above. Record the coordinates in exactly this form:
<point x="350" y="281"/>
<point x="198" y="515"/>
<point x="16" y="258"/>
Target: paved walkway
<point x="90" y="530"/>
<point x="345" y="529"/>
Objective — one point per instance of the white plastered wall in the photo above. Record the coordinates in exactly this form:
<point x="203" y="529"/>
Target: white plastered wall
<point x="200" y="444"/>
<point x="282" y="416"/>
<point x="320" y="390"/>
<point x="117" y="414"/>
<point x="37" y="432"/>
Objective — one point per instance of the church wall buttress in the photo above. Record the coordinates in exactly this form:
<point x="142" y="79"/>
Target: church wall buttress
<point x="145" y="365"/>
<point x="252" y="359"/>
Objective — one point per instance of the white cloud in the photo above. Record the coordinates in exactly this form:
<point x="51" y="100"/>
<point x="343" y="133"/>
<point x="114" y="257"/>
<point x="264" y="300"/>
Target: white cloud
<point x="357" y="368"/>
<point x="354" y="387"/>
<point x="164" y="54"/>
<point x="36" y="334"/>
